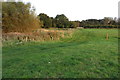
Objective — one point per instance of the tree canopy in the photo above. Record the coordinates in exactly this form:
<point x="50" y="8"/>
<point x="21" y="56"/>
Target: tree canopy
<point x="62" y="21"/>
<point x="19" y="17"/>
<point x="46" y="20"/>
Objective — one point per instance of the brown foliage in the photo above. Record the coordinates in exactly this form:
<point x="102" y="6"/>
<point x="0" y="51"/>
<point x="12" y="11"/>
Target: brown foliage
<point x="18" y="17"/>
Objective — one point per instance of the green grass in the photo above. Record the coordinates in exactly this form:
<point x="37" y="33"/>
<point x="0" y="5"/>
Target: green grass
<point x="87" y="54"/>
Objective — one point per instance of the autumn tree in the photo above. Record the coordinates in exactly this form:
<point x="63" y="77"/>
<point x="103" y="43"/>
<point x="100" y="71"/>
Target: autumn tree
<point x="19" y="17"/>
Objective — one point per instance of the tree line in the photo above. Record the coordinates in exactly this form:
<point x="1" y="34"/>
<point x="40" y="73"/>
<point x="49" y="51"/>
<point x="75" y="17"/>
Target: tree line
<point x="60" y="21"/>
<point x="21" y="17"/>
<point x="107" y="22"/>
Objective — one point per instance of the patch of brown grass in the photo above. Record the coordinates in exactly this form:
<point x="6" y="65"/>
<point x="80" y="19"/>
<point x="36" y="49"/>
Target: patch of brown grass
<point x="39" y="35"/>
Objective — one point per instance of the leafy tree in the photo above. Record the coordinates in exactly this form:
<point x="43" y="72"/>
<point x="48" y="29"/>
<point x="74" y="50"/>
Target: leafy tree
<point x="47" y="22"/>
<point x="19" y="17"/>
<point x="62" y="21"/>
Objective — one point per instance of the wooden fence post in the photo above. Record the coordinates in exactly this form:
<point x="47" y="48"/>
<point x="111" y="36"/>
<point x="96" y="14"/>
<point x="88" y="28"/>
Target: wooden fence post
<point x="26" y="38"/>
<point x="107" y="36"/>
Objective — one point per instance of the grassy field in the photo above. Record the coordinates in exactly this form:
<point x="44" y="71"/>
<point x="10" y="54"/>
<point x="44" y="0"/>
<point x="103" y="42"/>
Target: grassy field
<point x="86" y="54"/>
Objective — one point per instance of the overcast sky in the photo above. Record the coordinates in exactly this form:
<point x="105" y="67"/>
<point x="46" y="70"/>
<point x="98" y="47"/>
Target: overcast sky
<point x="77" y="9"/>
